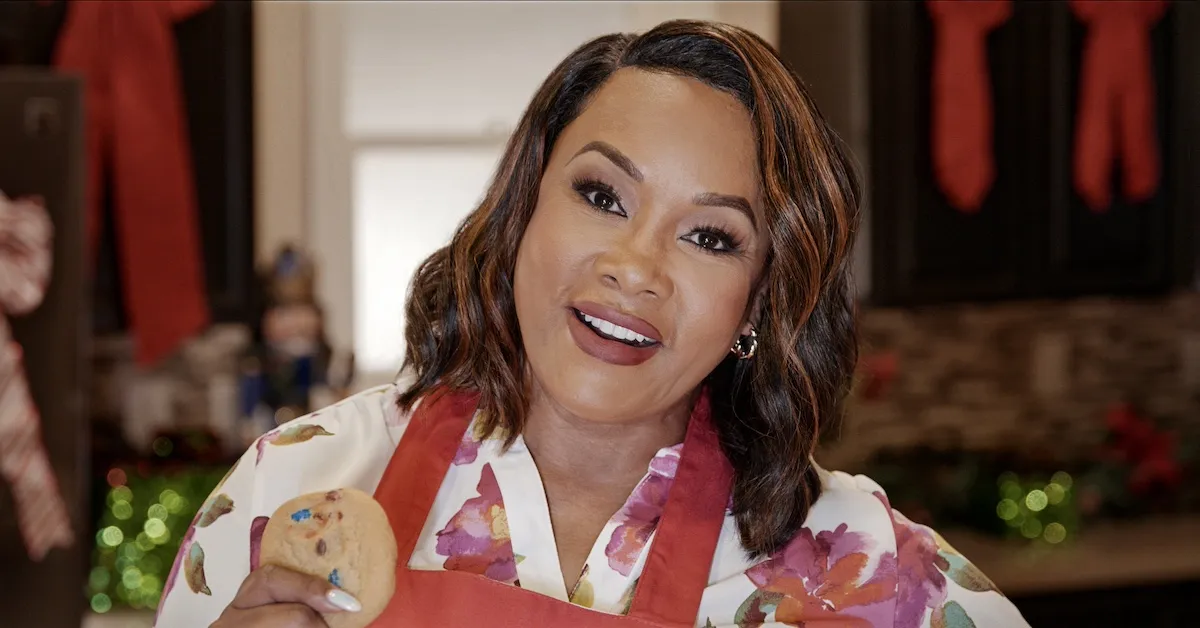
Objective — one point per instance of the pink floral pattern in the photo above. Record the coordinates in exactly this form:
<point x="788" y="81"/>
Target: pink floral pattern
<point x="468" y="450"/>
<point x="476" y="539"/>
<point x="927" y="561"/>
<point x="639" y="516"/>
<point x="257" y="527"/>
<point x="823" y="576"/>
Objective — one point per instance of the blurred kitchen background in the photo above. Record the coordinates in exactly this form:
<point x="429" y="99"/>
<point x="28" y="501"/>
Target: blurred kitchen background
<point x="1030" y="380"/>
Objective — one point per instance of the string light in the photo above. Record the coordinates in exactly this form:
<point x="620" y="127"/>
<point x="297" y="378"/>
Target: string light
<point x="139" y="531"/>
<point x="1037" y="510"/>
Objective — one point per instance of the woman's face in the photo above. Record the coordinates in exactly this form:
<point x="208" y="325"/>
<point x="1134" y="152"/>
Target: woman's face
<point x="634" y="275"/>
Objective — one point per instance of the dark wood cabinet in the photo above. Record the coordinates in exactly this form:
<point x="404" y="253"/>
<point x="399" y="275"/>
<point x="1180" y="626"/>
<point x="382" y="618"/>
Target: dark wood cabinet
<point x="41" y="130"/>
<point x="1033" y="237"/>
<point x="216" y="60"/>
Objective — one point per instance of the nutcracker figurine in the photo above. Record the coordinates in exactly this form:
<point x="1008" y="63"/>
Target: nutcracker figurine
<point x="287" y="371"/>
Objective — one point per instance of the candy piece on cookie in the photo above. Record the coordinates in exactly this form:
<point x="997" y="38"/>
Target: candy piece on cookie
<point x="342" y="536"/>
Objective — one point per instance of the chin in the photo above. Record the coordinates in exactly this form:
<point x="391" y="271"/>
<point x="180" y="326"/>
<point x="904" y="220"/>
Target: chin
<point x="593" y="392"/>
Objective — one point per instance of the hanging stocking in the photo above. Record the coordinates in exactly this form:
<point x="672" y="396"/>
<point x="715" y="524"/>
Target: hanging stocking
<point x="25" y="257"/>
<point x="1116" y="101"/>
<point x="962" y="98"/>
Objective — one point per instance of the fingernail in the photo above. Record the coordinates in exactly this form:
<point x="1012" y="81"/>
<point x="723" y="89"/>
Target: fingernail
<point x="343" y="600"/>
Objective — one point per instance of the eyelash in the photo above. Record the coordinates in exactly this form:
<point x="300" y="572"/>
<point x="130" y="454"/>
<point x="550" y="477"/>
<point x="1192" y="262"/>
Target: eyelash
<point x="586" y="186"/>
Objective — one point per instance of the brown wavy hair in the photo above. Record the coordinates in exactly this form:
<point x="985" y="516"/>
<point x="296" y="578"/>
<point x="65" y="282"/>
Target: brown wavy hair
<point x="462" y="330"/>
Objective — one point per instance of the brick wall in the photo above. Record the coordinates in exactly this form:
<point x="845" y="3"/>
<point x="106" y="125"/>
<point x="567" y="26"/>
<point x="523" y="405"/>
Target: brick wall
<point x="1027" y="375"/>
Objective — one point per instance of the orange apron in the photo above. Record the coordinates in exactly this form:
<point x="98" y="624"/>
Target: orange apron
<point x="668" y="592"/>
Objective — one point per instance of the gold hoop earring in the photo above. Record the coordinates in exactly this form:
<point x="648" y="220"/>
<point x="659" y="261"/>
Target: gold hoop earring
<point x="745" y="346"/>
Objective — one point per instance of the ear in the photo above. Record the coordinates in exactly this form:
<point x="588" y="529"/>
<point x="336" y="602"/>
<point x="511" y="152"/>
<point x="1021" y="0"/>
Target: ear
<point x="753" y="312"/>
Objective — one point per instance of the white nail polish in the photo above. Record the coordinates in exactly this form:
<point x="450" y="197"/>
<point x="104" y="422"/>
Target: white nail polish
<point x="343" y="600"/>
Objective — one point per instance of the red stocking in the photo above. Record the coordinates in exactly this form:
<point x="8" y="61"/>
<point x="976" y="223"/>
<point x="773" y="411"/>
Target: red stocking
<point x="962" y="98"/>
<point x="1116" y="101"/>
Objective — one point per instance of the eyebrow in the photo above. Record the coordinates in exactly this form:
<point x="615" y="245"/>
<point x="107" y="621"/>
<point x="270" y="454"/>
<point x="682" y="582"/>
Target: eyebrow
<point x="706" y="199"/>
<point x="710" y="199"/>
<point x="617" y="157"/>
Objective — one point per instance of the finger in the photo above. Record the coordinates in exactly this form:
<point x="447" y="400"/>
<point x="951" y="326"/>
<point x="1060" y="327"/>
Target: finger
<point x="272" y="616"/>
<point x="273" y="584"/>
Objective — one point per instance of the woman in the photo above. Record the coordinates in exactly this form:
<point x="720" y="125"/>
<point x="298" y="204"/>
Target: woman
<point x="649" y="314"/>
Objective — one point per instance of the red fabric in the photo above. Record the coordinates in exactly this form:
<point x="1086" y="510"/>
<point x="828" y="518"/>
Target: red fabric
<point x="1116" y="101"/>
<point x="962" y="98"/>
<point x="137" y="133"/>
<point x="668" y="592"/>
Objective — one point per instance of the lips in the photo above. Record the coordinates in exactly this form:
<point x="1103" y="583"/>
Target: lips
<point x="611" y="336"/>
<point x="608" y="314"/>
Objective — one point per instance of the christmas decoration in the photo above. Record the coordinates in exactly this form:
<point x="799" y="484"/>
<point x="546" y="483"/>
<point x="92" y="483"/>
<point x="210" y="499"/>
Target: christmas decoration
<point x="289" y="370"/>
<point x="125" y="52"/>
<point x="962" y="98"/>
<point x="144" y="519"/>
<point x="1046" y="496"/>
<point x="1037" y="509"/>
<point x="1115" y="121"/>
<point x="25" y="259"/>
<point x="878" y="372"/>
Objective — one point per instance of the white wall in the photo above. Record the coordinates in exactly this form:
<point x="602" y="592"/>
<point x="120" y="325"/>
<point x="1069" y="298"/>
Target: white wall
<point x="280" y="107"/>
<point x="378" y="124"/>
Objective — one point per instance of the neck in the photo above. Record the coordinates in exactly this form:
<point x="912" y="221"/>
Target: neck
<point x="598" y="454"/>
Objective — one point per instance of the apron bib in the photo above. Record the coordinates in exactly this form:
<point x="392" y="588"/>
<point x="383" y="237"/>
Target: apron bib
<point x="672" y="582"/>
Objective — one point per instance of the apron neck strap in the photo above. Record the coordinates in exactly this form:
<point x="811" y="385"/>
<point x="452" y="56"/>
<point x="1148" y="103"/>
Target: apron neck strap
<point x="677" y="569"/>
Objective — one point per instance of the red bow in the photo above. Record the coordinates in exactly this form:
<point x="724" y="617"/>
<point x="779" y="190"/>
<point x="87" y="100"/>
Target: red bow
<point x="136" y="131"/>
<point x="962" y="98"/>
<point x="1116" y="100"/>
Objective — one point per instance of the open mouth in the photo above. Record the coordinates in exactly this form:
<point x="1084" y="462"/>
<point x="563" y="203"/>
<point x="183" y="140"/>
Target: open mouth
<point x="612" y="331"/>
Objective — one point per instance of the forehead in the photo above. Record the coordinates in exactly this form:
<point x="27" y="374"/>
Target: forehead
<point x="673" y="128"/>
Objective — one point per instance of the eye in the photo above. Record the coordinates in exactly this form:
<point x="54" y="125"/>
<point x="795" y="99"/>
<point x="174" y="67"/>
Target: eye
<point x="601" y="200"/>
<point x="713" y="240"/>
<point x="600" y="196"/>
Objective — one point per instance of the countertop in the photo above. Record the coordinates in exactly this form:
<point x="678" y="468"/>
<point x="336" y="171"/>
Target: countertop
<point x="1106" y="555"/>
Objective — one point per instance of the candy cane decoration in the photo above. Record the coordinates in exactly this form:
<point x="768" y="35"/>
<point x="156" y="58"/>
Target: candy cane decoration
<point x="25" y="259"/>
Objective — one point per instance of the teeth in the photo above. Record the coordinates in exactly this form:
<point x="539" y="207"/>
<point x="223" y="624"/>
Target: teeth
<point x="616" y="331"/>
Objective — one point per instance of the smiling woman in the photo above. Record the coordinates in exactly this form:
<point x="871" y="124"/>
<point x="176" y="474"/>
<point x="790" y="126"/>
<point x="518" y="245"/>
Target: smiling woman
<point x="616" y="375"/>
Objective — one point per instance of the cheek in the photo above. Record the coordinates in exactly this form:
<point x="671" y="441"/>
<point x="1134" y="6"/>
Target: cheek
<point x="551" y="253"/>
<point x="713" y="305"/>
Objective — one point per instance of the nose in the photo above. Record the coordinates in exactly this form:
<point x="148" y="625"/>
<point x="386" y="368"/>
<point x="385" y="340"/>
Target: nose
<point x="634" y="264"/>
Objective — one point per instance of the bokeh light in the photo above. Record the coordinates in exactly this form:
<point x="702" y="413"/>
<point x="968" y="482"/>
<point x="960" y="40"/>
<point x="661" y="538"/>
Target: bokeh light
<point x="138" y="533"/>
<point x="101" y="603"/>
<point x="1036" y="500"/>
<point x="155" y="529"/>
<point x="157" y="511"/>
<point x="122" y="510"/>
<point x="116" y="477"/>
<point x="111" y="536"/>
<point x="1031" y="528"/>
<point x="1055" y="533"/>
<point x="162" y="446"/>
<point x="1063" y="479"/>
<point x="1007" y="509"/>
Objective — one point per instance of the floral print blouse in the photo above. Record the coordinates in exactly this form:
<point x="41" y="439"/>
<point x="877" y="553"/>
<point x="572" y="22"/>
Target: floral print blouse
<point x="855" y="563"/>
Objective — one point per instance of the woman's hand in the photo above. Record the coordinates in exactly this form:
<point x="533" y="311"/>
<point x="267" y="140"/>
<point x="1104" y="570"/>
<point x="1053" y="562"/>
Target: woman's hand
<point x="277" y="597"/>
